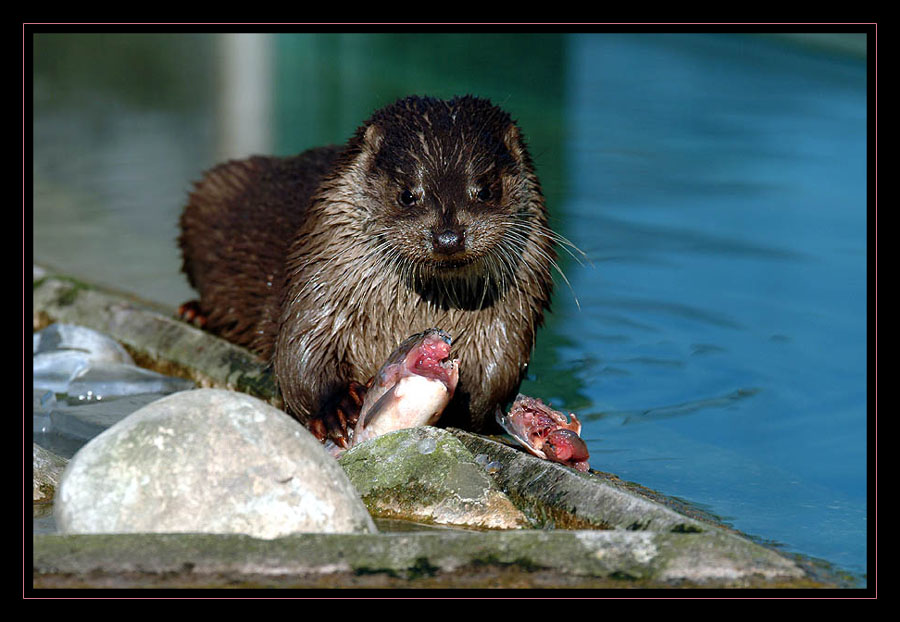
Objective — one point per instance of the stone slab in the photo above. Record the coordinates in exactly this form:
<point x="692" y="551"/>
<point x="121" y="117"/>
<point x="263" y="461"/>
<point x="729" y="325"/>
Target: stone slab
<point x="445" y="559"/>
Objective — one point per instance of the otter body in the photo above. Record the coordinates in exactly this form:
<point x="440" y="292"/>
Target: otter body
<point x="430" y="216"/>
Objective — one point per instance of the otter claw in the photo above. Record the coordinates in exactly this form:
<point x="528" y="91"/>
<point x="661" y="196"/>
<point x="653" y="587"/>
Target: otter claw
<point x="357" y="393"/>
<point x="331" y="427"/>
<point x="190" y="312"/>
<point x="336" y="424"/>
<point x="317" y="427"/>
<point x="337" y="427"/>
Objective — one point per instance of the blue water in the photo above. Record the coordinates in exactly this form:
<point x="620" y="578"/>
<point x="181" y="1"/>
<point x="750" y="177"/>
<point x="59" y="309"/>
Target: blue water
<point x="717" y="350"/>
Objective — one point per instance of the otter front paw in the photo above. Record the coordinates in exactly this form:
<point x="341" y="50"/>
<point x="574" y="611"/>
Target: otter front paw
<point x="190" y="312"/>
<point x="338" y="422"/>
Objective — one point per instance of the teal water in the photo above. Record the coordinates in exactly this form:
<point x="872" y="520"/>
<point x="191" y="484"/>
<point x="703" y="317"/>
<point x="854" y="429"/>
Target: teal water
<point x="715" y="339"/>
<point x="720" y="348"/>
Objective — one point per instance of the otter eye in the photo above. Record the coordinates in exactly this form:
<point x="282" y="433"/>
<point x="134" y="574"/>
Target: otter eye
<point x="407" y="198"/>
<point x="485" y="194"/>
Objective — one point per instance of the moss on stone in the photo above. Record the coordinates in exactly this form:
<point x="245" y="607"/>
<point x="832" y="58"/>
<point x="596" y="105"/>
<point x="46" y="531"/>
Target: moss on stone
<point x="442" y="484"/>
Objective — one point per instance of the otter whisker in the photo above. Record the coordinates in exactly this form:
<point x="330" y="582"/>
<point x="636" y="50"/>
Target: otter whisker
<point x="520" y="236"/>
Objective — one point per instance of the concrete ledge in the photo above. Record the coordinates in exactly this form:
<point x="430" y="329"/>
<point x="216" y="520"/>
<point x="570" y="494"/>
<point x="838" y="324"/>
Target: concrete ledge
<point x="448" y="559"/>
<point x="557" y="496"/>
<point x="154" y="337"/>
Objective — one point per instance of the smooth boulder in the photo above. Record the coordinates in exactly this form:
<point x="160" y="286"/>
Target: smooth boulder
<point x="210" y="461"/>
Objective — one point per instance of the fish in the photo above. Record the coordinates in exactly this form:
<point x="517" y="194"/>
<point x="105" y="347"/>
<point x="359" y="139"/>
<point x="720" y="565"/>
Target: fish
<point x="545" y="432"/>
<point x="411" y="389"/>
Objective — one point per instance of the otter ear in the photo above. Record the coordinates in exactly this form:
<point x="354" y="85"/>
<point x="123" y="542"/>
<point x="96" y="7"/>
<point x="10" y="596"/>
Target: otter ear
<point x="515" y="143"/>
<point x="372" y="138"/>
<point x="365" y="146"/>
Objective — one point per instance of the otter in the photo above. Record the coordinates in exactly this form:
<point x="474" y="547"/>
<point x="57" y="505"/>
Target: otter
<point x="321" y="263"/>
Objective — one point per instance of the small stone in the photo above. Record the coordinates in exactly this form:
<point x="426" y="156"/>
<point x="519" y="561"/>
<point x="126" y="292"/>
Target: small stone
<point x="47" y="469"/>
<point x="444" y="485"/>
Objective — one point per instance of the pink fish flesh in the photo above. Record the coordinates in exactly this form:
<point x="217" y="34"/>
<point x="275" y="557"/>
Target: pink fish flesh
<point x="412" y="388"/>
<point x="545" y="432"/>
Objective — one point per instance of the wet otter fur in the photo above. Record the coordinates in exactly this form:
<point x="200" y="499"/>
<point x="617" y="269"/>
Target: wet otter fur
<point x="321" y="263"/>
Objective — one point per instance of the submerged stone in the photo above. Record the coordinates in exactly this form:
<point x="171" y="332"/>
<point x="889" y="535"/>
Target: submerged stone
<point x="47" y="469"/>
<point x="95" y="345"/>
<point x="107" y="380"/>
<point x="88" y="364"/>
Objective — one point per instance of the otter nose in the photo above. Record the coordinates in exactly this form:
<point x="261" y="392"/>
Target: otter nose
<point x="448" y="241"/>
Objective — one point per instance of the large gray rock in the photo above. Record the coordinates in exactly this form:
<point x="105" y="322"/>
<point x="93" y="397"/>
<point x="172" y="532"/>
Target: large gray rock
<point x="209" y="461"/>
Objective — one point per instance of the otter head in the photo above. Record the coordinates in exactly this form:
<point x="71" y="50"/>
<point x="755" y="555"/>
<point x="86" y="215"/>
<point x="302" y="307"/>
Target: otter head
<point x="451" y="197"/>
